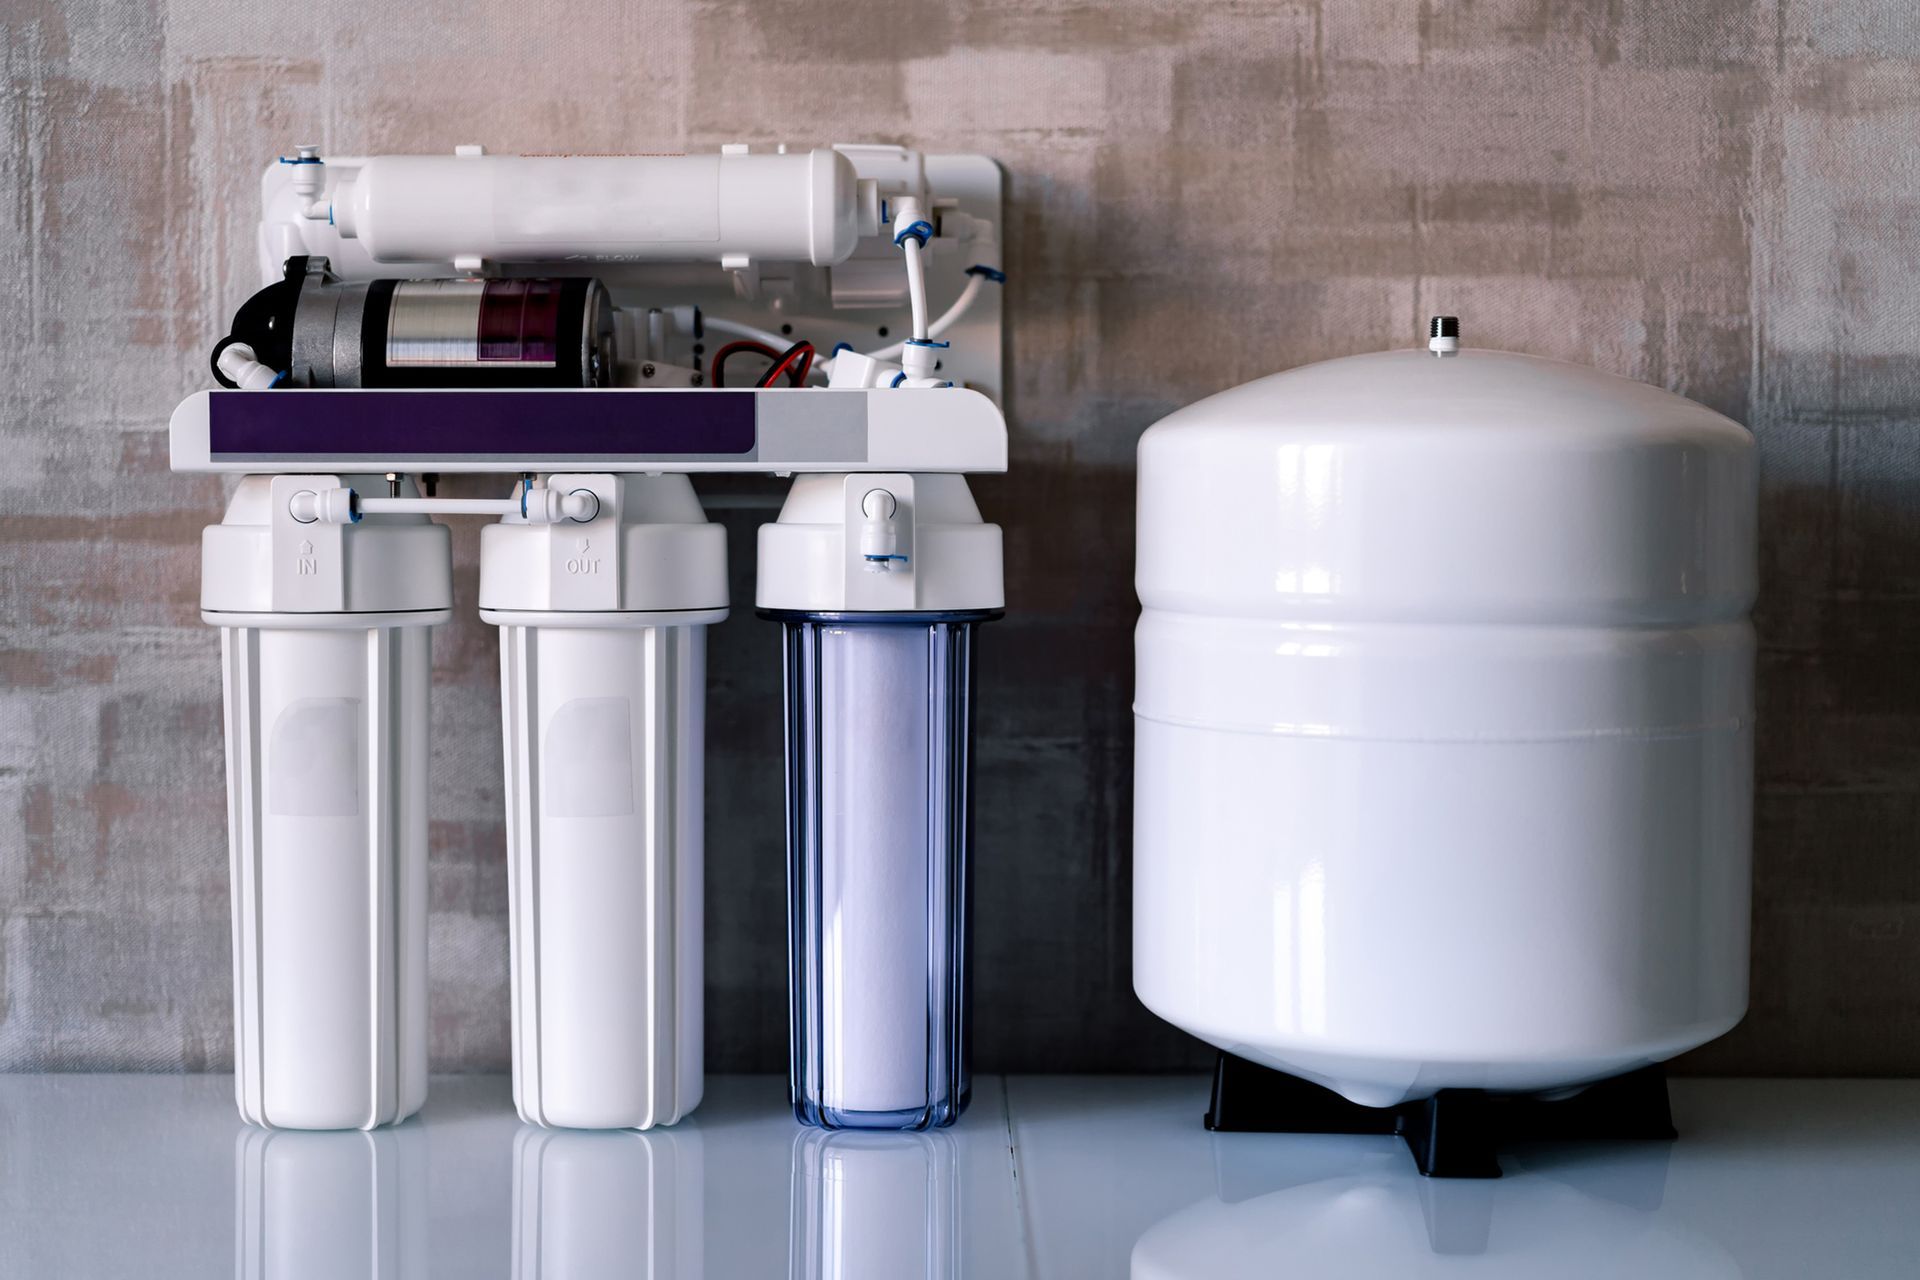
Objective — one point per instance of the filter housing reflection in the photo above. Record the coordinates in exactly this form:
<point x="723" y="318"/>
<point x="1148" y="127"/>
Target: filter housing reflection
<point x="870" y="1205"/>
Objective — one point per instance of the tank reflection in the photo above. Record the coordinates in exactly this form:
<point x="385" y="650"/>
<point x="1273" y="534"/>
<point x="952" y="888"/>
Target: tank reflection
<point x="1318" y="1207"/>
<point x="872" y="1205"/>
<point x="331" y="1203"/>
<point x="608" y="1203"/>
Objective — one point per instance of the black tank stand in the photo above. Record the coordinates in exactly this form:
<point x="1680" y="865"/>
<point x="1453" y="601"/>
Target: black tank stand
<point x="1453" y="1134"/>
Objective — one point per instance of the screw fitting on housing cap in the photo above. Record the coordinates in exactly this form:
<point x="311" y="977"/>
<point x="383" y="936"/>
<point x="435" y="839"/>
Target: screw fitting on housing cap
<point x="1443" y="335"/>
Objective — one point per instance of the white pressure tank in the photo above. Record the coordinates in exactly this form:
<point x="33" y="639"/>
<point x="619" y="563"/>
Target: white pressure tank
<point x="1444" y="726"/>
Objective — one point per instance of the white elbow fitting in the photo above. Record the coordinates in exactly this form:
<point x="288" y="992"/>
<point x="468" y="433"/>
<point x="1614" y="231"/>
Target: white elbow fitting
<point x="879" y="538"/>
<point x="322" y="506"/>
<point x="548" y="505"/>
<point x="309" y="179"/>
<point x="243" y="369"/>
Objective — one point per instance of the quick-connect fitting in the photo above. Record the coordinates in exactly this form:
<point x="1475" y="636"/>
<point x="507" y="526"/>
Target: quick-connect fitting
<point x="910" y="223"/>
<point x="918" y="357"/>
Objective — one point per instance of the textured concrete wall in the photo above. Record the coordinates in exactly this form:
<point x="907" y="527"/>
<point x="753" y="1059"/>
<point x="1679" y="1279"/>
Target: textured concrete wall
<point x="1717" y="196"/>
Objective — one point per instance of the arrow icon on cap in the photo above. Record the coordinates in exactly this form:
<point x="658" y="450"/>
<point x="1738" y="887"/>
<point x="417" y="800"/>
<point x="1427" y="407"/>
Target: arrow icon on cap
<point x="306" y="548"/>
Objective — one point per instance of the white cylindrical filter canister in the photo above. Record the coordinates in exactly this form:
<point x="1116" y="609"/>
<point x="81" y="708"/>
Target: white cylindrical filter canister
<point x="879" y="582"/>
<point x="767" y="207"/>
<point x="603" y="684"/>
<point x="1444" y="722"/>
<point x="324" y="637"/>
<point x="316" y="1206"/>
<point x="876" y="1206"/>
<point x="609" y="1204"/>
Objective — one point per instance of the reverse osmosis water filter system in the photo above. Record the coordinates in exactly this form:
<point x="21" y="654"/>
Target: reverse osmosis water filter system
<point x="595" y="329"/>
<point x="1443" y="713"/>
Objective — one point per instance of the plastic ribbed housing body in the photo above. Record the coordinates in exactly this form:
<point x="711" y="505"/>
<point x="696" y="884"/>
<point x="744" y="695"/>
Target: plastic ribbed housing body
<point x="603" y="686"/>
<point x="604" y="740"/>
<point x="326" y="733"/>
<point x="1444" y="723"/>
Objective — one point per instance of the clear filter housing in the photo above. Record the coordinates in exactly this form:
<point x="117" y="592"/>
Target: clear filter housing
<point x="879" y="844"/>
<point x="879" y="581"/>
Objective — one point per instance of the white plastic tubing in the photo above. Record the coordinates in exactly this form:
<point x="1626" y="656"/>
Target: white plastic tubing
<point x="986" y="250"/>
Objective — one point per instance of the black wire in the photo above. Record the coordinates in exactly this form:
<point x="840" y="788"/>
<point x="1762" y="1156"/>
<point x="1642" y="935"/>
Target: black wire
<point x="745" y="344"/>
<point x="794" y="372"/>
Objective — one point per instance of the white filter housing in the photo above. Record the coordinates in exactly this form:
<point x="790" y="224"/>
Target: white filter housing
<point x="324" y="642"/>
<point x="803" y="207"/>
<point x="603" y="683"/>
<point x="1444" y="723"/>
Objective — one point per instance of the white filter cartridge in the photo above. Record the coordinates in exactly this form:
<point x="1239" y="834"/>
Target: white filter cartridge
<point x="873" y="868"/>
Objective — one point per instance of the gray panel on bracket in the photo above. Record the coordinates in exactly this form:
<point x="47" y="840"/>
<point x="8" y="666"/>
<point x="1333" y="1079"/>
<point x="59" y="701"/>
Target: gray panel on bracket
<point x="810" y="426"/>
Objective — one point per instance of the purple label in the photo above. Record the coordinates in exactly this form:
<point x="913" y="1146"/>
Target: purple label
<point x="494" y="424"/>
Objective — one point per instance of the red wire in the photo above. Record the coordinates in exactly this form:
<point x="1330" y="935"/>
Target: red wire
<point x="745" y="344"/>
<point x="804" y="350"/>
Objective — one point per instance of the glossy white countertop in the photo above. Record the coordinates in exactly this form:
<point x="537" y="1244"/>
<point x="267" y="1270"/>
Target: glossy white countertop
<point x="1053" y="1176"/>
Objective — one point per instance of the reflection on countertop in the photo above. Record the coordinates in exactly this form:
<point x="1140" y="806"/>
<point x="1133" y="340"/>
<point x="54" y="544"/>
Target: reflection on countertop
<point x="314" y="1204"/>
<point x="156" y="1176"/>
<point x="589" y="1203"/>
<point x="1590" y="1211"/>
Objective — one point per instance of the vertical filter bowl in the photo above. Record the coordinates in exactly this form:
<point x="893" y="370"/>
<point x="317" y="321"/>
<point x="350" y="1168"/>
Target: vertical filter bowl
<point x="603" y="686"/>
<point x="878" y="582"/>
<point x="324" y="635"/>
<point x="879" y="840"/>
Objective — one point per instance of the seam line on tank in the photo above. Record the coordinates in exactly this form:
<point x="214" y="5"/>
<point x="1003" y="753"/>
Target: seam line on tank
<point x="1729" y="724"/>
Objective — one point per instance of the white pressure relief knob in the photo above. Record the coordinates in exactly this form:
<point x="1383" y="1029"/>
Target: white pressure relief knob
<point x="879" y="539"/>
